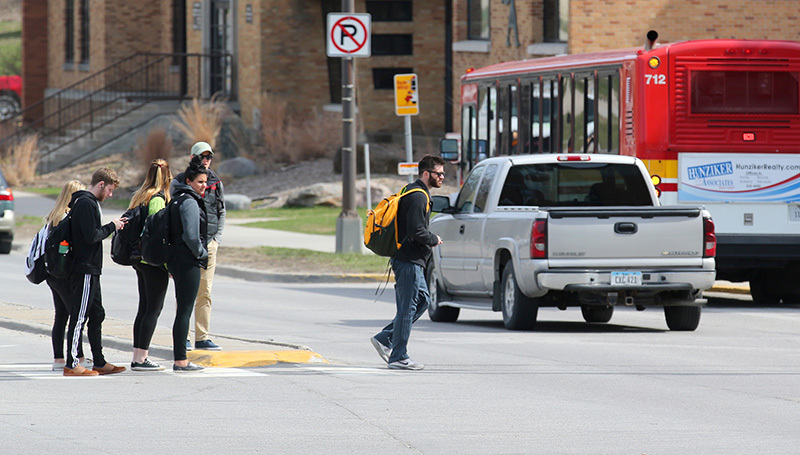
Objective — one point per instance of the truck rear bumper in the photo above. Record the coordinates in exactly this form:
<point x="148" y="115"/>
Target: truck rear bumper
<point x="652" y="281"/>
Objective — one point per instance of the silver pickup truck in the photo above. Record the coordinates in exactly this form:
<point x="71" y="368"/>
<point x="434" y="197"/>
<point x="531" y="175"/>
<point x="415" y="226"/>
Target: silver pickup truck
<point x="568" y="230"/>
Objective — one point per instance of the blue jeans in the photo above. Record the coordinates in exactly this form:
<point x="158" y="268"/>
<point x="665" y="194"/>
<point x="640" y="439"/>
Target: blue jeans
<point x="412" y="299"/>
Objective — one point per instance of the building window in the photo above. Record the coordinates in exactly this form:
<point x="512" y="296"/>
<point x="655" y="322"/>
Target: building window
<point x="556" y="21"/>
<point x="69" y="31"/>
<point x="392" y="44"/>
<point x="390" y="11"/>
<point x="179" y="26"/>
<point x="383" y="78"/>
<point x="478" y="19"/>
<point x="84" y="31"/>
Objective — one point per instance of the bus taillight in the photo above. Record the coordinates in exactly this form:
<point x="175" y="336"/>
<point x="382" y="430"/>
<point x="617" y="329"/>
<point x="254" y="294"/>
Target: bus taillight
<point x="709" y="238"/>
<point x="539" y="239"/>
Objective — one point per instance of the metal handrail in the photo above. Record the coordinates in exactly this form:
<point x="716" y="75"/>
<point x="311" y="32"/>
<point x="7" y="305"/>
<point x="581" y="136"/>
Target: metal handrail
<point x="80" y="109"/>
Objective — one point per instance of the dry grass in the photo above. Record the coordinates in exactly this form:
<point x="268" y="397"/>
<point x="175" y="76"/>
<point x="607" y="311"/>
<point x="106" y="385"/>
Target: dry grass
<point x="20" y="161"/>
<point x="294" y="137"/>
<point x="202" y="121"/>
<point x="156" y="144"/>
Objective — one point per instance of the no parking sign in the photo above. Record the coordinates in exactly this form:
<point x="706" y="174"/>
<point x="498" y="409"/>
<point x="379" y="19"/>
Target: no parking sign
<point x="349" y="35"/>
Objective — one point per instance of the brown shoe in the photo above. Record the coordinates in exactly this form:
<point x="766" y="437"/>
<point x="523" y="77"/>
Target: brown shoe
<point x="108" y="369"/>
<point x="79" y="371"/>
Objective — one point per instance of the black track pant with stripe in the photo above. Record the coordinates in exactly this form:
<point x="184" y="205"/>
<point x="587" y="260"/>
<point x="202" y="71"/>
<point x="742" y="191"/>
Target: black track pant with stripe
<point x="86" y="306"/>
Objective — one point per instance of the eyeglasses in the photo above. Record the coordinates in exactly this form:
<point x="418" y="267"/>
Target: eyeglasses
<point x="438" y="174"/>
<point x="206" y="157"/>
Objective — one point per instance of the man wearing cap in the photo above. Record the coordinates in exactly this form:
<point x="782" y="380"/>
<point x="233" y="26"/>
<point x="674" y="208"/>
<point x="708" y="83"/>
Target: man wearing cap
<point x="214" y="198"/>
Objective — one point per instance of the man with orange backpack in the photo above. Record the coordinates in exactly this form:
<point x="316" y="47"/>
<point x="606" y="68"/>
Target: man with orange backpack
<point x="408" y="264"/>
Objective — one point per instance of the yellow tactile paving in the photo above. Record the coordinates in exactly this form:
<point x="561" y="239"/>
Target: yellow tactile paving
<point x="238" y="359"/>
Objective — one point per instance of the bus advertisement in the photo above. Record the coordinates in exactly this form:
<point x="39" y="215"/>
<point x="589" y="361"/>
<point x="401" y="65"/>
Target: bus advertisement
<point x="717" y="122"/>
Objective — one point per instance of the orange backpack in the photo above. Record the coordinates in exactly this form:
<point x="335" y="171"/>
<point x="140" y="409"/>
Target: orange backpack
<point x="380" y="234"/>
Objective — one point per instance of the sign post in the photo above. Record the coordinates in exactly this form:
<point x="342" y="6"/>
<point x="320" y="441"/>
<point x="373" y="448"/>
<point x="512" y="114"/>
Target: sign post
<point x="406" y="104"/>
<point x="348" y="36"/>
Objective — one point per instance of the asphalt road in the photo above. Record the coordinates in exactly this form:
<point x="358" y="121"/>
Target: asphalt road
<point x="630" y="386"/>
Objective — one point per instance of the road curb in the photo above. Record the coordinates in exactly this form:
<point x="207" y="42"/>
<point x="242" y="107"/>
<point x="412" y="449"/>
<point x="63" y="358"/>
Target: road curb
<point x="267" y="276"/>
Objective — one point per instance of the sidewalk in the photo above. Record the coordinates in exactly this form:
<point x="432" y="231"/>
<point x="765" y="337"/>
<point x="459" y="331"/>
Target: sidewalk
<point x="118" y="335"/>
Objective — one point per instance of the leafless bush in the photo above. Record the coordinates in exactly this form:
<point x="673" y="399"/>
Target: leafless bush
<point x="202" y="121"/>
<point x="294" y="137"/>
<point x="156" y="144"/>
<point x="20" y="161"/>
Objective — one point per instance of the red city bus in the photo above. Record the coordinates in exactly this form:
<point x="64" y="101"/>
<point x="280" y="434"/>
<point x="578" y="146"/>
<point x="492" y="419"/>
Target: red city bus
<point x="716" y="121"/>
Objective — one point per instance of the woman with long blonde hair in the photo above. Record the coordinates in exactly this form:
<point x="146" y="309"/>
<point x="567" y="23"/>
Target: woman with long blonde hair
<point x="60" y="286"/>
<point x="152" y="279"/>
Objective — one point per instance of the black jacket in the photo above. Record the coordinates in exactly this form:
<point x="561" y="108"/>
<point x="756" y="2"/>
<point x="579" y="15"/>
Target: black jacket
<point x="413" y="218"/>
<point x="87" y="233"/>
<point x="214" y="200"/>
<point x="188" y="227"/>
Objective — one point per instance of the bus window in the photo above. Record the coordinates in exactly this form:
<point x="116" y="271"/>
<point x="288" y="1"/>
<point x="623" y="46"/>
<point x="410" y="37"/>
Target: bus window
<point x="483" y="123"/>
<point x="513" y="124"/>
<point x="567" y="129"/>
<point x="579" y="114"/>
<point x="613" y="144"/>
<point x="744" y="92"/>
<point x="603" y="113"/>
<point x="468" y="135"/>
<point x="524" y="109"/>
<point x="492" y="121"/>
<point x="502" y="120"/>
<point x="537" y="108"/>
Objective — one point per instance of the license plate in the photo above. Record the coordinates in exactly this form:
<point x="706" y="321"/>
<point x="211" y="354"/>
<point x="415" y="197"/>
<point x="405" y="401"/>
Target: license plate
<point x="794" y="212"/>
<point x="626" y="278"/>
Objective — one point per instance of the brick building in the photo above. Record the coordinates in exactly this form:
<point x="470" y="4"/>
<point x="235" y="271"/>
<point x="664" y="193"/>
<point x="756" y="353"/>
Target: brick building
<point x="278" y="46"/>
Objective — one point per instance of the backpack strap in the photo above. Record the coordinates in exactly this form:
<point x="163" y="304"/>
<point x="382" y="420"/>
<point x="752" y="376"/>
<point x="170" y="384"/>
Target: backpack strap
<point x="403" y="192"/>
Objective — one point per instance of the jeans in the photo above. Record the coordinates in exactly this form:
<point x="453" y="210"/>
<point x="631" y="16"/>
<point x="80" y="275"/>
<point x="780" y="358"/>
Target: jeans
<point x="412" y="299"/>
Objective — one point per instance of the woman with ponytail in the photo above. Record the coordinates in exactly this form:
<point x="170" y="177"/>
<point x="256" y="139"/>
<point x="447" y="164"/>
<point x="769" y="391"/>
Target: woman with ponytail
<point x="153" y="279"/>
<point x="188" y="229"/>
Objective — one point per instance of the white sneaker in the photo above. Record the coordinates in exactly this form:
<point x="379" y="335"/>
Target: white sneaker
<point x="383" y="350"/>
<point x="406" y="364"/>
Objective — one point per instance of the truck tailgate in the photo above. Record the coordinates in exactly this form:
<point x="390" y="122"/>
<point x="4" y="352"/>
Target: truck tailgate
<point x="625" y="237"/>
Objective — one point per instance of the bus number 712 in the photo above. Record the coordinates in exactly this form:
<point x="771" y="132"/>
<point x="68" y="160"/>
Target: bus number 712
<point x="656" y="79"/>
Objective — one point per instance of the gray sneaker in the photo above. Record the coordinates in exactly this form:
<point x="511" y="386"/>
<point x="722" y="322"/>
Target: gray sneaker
<point x="383" y="350"/>
<point x="189" y="368"/>
<point x="406" y="364"/>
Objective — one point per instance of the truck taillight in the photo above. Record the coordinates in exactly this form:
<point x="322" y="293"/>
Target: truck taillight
<point x="709" y="238"/>
<point x="539" y="239"/>
<point x="6" y="195"/>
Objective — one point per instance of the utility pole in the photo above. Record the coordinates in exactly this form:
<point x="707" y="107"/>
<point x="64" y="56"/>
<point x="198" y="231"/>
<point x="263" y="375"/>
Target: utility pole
<point x="348" y="226"/>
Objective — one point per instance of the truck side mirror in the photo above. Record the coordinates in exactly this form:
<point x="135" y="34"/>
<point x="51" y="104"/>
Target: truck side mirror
<point x="441" y="204"/>
<point x="448" y="149"/>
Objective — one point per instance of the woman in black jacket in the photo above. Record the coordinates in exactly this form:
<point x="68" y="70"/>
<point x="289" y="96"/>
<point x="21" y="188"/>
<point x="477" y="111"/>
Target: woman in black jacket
<point x="188" y="227"/>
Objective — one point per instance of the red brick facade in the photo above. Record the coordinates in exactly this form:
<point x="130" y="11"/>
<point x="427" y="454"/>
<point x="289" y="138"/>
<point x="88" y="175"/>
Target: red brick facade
<point x="282" y="49"/>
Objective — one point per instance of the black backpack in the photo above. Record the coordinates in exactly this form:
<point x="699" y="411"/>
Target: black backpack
<point x="126" y="244"/>
<point x="58" y="255"/>
<point x="156" y="247"/>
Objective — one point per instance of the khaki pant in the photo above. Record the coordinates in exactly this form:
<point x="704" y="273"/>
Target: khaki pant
<point x="202" y="306"/>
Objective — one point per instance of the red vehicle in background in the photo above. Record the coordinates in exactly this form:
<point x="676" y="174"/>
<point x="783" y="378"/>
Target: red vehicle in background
<point x="10" y="96"/>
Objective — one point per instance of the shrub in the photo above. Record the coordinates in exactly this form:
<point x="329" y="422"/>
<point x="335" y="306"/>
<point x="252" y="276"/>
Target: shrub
<point x="290" y="138"/>
<point x="156" y="144"/>
<point x="20" y="161"/>
<point x="202" y="121"/>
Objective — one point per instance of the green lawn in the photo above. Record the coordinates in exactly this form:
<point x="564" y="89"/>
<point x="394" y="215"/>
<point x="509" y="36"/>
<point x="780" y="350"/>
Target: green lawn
<point x="307" y="220"/>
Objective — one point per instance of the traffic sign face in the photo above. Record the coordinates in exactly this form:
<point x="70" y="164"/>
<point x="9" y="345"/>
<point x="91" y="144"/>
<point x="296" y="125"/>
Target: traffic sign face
<point x="407" y="168"/>
<point x="406" y="95"/>
<point x="349" y="35"/>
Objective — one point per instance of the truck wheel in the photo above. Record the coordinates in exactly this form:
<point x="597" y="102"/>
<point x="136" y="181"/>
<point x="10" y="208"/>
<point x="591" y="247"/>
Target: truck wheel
<point x="519" y="310"/>
<point x="594" y="313"/>
<point x="762" y="292"/>
<point x="5" y="246"/>
<point x="682" y="318"/>
<point x="436" y="312"/>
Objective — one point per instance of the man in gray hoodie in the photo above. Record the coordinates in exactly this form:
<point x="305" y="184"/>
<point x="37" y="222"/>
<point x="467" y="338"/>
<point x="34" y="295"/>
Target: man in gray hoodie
<point x="214" y="199"/>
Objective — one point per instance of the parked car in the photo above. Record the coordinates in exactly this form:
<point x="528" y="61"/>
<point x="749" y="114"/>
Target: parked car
<point x="10" y="96"/>
<point x="6" y="216"/>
